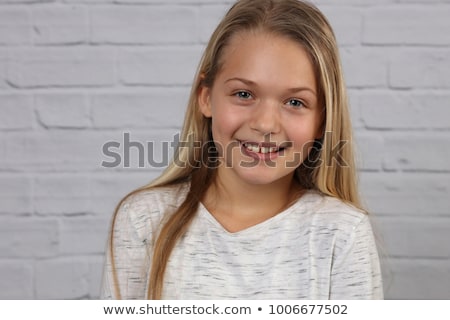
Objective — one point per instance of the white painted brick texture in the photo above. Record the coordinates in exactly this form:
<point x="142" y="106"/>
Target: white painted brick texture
<point x="62" y="25"/>
<point x="166" y="66"/>
<point x="400" y="24"/>
<point x="77" y="74"/>
<point x="158" y="24"/>
<point x="70" y="66"/>
<point x="15" y="26"/>
<point x="65" y="110"/>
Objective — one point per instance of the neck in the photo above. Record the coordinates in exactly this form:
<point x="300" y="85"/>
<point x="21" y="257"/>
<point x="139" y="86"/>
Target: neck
<point x="238" y="205"/>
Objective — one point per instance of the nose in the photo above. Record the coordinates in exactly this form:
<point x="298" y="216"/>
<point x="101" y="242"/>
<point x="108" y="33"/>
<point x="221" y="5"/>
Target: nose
<point x="266" y="118"/>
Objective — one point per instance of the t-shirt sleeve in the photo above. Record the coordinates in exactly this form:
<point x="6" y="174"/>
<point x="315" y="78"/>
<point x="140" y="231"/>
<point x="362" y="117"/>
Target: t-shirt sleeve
<point x="355" y="272"/>
<point x="126" y="259"/>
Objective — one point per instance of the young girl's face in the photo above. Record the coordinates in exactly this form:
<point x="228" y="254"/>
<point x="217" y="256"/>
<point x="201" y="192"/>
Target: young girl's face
<point x="264" y="108"/>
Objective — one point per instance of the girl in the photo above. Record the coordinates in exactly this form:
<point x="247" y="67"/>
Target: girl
<point x="260" y="201"/>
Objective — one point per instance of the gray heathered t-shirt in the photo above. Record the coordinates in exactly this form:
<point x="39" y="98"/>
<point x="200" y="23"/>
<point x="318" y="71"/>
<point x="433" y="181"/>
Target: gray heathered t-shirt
<point x="319" y="248"/>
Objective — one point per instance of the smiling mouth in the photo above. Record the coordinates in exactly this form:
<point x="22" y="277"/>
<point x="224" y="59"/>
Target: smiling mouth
<point x="263" y="148"/>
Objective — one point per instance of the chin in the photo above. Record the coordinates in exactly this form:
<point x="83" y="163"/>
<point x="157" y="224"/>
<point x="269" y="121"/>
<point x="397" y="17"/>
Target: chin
<point x="257" y="178"/>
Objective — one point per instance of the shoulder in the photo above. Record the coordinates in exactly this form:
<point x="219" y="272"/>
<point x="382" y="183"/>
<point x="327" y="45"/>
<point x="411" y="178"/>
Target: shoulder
<point x="142" y="211"/>
<point x="326" y="212"/>
<point x="154" y="197"/>
<point x="338" y="226"/>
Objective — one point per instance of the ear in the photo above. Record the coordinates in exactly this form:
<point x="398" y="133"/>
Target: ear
<point x="204" y="101"/>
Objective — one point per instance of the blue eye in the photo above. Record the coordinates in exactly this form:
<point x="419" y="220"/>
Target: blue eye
<point x="243" y="95"/>
<point x="296" y="103"/>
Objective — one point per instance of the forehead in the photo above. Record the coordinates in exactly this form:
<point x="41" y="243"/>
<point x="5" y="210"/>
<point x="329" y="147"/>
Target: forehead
<point x="267" y="57"/>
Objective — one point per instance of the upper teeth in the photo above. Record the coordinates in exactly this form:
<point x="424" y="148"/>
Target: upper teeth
<point x="256" y="148"/>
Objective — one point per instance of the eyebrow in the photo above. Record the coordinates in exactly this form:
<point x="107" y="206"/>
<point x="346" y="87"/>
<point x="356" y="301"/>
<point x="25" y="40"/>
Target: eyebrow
<point x="252" y="83"/>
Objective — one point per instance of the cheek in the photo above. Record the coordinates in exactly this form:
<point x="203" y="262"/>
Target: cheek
<point x="225" y="122"/>
<point x="302" y="133"/>
<point x="223" y="129"/>
<point x="302" y="136"/>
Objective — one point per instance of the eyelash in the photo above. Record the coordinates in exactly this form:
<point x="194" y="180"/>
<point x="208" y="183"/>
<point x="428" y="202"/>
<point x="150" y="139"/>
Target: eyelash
<point x="302" y="104"/>
<point x="239" y="94"/>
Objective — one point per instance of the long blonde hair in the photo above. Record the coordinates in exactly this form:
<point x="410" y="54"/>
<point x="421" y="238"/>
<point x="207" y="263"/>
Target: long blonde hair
<point x="332" y="171"/>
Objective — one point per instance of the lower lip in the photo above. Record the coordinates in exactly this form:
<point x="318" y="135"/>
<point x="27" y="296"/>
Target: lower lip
<point x="260" y="156"/>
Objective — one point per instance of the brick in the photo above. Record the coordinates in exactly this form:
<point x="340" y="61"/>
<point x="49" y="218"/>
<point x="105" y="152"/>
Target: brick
<point x="16" y="280"/>
<point x="423" y="1"/>
<point x="424" y="151"/>
<point x="61" y="67"/>
<point x="84" y="235"/>
<point x="55" y="150"/>
<point x="60" y="24"/>
<point x="420" y="68"/>
<point x="78" y="150"/>
<point x="62" y="278"/>
<point x="95" y="276"/>
<point x="81" y="194"/>
<point x="346" y="23"/>
<point x="401" y="110"/>
<point x="368" y="150"/>
<point x="15" y="26"/>
<point x="56" y="110"/>
<point x="415" y="237"/>
<point x="154" y="109"/>
<point x="355" y="109"/>
<point x="139" y="150"/>
<point x="3" y="68"/>
<point x="151" y="24"/>
<point x="159" y="66"/>
<point x="210" y="18"/>
<point x="2" y="148"/>
<point x="15" y="194"/>
<point x="177" y="1"/>
<point x="402" y="24"/>
<point x="107" y="189"/>
<point x="16" y="111"/>
<point x="24" y="1"/>
<point x="90" y="2"/>
<point x="363" y="3"/>
<point x="406" y="194"/>
<point x="28" y="238"/>
<point x="364" y="67"/>
<point x="61" y="194"/>
<point x="417" y="279"/>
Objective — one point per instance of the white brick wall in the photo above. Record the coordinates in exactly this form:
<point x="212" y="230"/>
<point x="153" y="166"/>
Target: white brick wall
<point x="76" y="74"/>
<point x="71" y="66"/>
<point x="15" y="26"/>
<point x="63" y="25"/>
